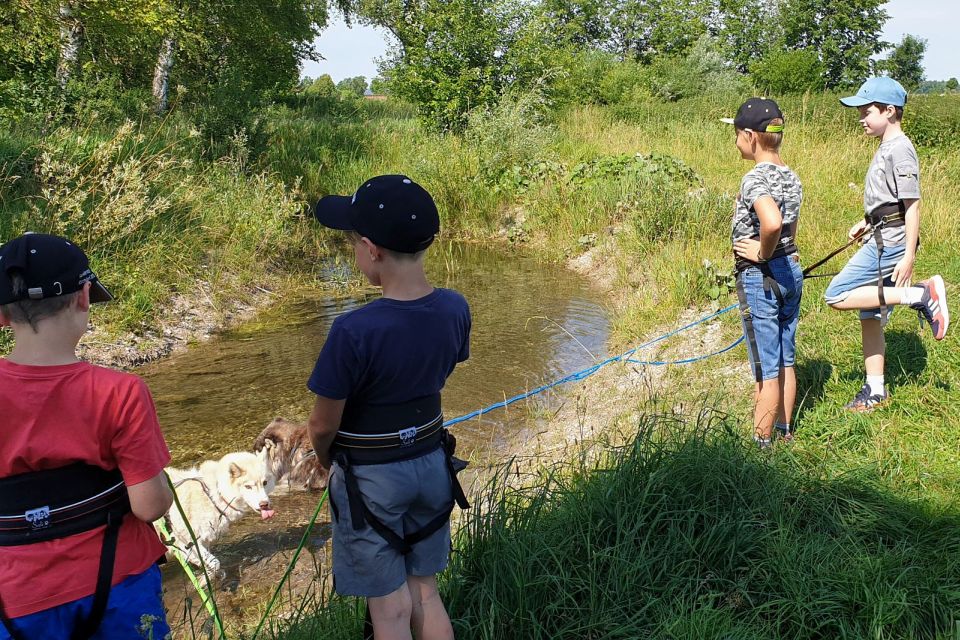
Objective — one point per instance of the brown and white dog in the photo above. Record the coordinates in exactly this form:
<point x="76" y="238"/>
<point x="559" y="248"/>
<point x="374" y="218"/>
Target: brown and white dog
<point x="290" y="455"/>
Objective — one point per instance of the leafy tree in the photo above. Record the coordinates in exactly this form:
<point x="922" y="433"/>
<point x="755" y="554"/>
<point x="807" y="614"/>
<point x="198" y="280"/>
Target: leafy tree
<point x="353" y="86"/>
<point x="380" y="86"/>
<point x="748" y="30"/>
<point x="322" y="87"/>
<point x="905" y="63"/>
<point x="952" y="85"/>
<point x="845" y="33"/>
<point x="782" y="72"/>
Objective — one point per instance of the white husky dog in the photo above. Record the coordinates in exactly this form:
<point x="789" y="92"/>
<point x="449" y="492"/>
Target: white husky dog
<point x="215" y="494"/>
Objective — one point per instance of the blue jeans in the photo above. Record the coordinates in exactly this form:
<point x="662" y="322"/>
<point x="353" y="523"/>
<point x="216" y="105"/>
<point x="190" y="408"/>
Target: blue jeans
<point x="134" y="610"/>
<point x="769" y="312"/>
<point x="861" y="271"/>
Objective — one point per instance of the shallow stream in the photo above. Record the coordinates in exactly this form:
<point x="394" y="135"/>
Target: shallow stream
<point x="532" y="323"/>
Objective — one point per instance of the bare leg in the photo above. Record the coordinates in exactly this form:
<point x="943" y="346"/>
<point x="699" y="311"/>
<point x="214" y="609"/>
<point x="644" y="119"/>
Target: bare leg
<point x="766" y="407"/>
<point x="430" y="619"/>
<point x="788" y="394"/>
<point x="867" y="298"/>
<point x="391" y="615"/>
<point x="874" y="346"/>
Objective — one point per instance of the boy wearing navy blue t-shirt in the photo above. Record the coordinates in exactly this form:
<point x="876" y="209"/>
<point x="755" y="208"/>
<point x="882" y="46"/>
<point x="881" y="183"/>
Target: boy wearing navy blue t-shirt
<point x="377" y="418"/>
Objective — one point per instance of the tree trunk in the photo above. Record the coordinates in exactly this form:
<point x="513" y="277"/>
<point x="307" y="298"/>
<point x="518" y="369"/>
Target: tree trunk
<point x="71" y="37"/>
<point x="161" y="74"/>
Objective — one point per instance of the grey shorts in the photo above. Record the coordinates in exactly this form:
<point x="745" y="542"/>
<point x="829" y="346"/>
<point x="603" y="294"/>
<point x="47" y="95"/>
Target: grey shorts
<point x="405" y="496"/>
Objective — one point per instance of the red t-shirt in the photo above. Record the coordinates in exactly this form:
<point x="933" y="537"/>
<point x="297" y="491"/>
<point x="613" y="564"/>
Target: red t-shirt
<point x="54" y="416"/>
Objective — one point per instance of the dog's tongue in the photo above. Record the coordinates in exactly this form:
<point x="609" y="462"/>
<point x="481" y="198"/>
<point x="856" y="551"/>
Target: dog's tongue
<point x="266" y="514"/>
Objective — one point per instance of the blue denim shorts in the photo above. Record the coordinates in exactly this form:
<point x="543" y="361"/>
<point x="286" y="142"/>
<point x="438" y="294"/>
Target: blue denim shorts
<point x="770" y="320"/>
<point x="861" y="271"/>
<point x="405" y="496"/>
<point x="134" y="610"/>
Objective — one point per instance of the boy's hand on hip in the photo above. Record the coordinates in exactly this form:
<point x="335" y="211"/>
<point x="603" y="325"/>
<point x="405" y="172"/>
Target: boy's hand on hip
<point x="857" y="229"/>
<point x="748" y="249"/>
<point x="903" y="271"/>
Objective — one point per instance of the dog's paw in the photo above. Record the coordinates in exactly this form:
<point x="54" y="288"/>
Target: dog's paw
<point x="213" y="565"/>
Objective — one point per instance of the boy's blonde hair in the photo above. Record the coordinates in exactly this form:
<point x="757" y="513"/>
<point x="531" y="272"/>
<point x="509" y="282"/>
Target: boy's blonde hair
<point x="770" y="141"/>
<point x="32" y="312"/>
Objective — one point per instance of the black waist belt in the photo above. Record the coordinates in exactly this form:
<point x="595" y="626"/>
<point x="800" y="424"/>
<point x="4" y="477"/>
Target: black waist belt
<point x="375" y="434"/>
<point x="887" y="215"/>
<point x="782" y="250"/>
<point x="56" y="503"/>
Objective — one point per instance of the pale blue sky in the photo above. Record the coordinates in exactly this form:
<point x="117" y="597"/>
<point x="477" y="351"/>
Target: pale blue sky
<point x="352" y="52"/>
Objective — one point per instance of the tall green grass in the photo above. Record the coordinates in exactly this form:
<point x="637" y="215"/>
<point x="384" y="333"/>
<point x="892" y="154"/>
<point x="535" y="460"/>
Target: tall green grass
<point x="686" y="531"/>
<point x="157" y="215"/>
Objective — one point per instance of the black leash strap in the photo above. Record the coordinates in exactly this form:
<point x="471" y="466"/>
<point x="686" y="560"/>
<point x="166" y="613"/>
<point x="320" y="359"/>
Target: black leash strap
<point x="85" y="629"/>
<point x="8" y="625"/>
<point x="748" y="329"/>
<point x="809" y="270"/>
<point x="108" y="554"/>
<point x="360" y="513"/>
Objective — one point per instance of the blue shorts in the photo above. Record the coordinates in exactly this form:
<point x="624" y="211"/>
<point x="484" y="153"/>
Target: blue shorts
<point x="861" y="271"/>
<point x="405" y="496"/>
<point x="134" y="610"/>
<point x="770" y="320"/>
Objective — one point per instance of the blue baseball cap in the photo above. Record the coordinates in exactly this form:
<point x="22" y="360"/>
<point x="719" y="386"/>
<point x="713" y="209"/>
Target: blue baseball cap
<point x="882" y="89"/>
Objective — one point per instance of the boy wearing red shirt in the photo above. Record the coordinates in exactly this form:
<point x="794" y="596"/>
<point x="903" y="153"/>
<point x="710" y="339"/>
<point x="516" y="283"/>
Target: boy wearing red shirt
<point x="81" y="463"/>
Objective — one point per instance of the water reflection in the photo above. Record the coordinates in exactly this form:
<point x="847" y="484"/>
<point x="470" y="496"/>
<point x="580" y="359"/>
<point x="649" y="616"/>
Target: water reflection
<point x="532" y="322"/>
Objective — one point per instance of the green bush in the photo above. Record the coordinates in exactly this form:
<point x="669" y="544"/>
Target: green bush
<point x="701" y="70"/>
<point x="514" y="132"/>
<point x="782" y="72"/>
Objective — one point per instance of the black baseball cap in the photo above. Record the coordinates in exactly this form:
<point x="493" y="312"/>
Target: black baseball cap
<point x="755" y="114"/>
<point x="51" y="266"/>
<point x="392" y="211"/>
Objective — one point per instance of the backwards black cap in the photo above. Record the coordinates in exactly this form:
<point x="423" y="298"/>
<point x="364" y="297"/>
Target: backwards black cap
<point x="392" y="211"/>
<point x="756" y="114"/>
<point x="50" y="266"/>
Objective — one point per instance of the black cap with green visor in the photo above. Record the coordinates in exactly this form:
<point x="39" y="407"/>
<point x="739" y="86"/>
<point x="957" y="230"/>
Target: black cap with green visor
<point x="757" y="114"/>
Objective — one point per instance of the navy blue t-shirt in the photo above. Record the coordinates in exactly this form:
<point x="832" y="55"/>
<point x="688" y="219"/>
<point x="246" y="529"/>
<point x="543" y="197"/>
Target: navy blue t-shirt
<point x="392" y="351"/>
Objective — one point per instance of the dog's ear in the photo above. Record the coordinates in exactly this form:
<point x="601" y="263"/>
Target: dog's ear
<point x="235" y="470"/>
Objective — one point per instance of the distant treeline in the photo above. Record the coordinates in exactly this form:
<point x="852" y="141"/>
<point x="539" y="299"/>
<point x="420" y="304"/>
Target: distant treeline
<point x="222" y="59"/>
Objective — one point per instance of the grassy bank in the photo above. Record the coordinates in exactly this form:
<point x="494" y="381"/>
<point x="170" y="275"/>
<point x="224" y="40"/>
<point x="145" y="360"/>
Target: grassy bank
<point x="682" y="531"/>
<point x="686" y="532"/>
<point x="159" y="215"/>
<point x="846" y="534"/>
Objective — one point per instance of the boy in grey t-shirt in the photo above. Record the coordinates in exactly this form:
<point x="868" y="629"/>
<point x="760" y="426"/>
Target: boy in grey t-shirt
<point x="879" y="274"/>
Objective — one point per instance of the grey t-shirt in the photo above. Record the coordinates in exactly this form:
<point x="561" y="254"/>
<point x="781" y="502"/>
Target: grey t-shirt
<point x="767" y="179"/>
<point x="894" y="175"/>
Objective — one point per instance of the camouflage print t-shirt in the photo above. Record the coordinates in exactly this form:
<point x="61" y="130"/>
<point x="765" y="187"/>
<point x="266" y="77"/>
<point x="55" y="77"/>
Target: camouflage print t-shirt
<point x="767" y="179"/>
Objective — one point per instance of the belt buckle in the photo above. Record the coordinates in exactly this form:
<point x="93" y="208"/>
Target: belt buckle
<point x="407" y="436"/>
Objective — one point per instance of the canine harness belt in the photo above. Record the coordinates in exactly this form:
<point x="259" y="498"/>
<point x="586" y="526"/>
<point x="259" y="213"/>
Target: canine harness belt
<point x="363" y="440"/>
<point x="55" y="503"/>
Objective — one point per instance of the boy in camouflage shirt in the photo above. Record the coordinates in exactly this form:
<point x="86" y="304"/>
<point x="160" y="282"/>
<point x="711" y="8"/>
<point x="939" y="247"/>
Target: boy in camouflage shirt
<point x="769" y="279"/>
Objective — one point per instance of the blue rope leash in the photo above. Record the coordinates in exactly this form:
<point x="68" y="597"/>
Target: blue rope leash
<point x="589" y="371"/>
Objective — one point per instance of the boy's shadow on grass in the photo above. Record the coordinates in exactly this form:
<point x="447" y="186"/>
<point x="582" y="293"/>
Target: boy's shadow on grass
<point x="812" y="377"/>
<point x="906" y="358"/>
